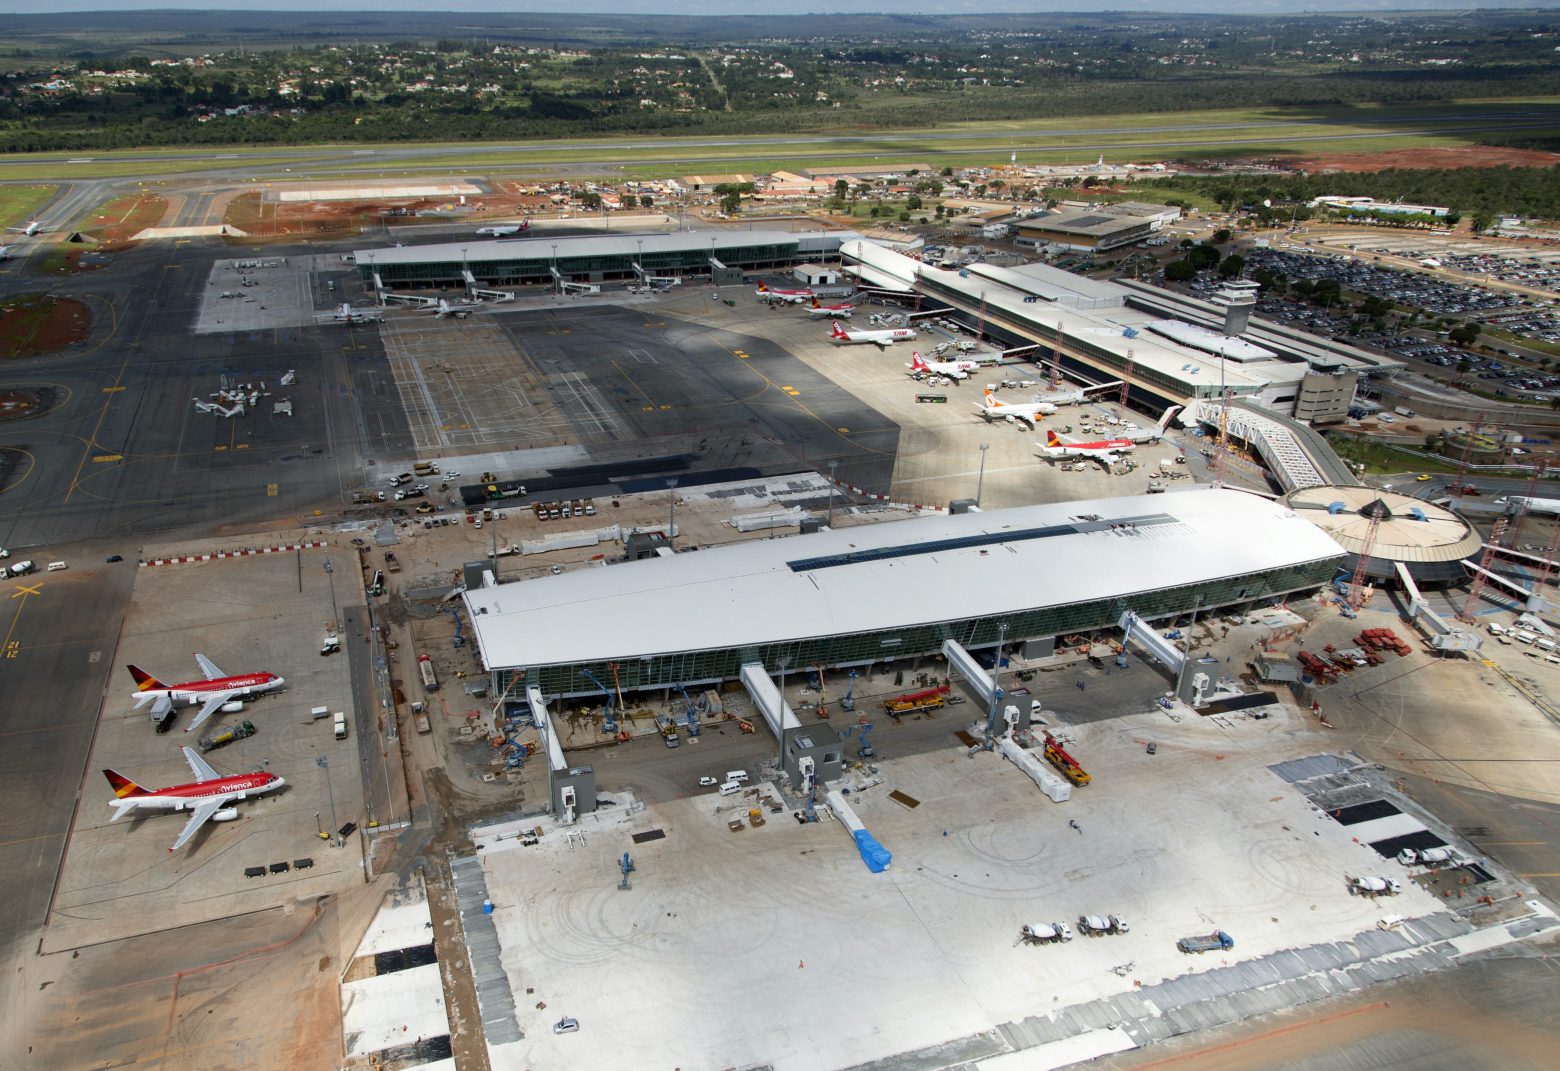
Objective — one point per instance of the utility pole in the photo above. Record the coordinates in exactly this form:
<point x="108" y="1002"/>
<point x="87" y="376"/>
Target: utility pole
<point x="324" y="763"/>
<point x="833" y="465"/>
<point x="671" y="512"/>
<point x="980" y="482"/>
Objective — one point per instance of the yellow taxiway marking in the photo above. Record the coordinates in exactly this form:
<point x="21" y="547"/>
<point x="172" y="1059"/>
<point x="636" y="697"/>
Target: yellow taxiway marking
<point x="23" y="590"/>
<point x="270" y="490"/>
<point x="100" y="458"/>
<point x="112" y="390"/>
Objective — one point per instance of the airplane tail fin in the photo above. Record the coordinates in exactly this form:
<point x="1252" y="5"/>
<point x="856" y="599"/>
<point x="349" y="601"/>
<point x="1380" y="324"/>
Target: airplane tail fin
<point x="763" y="288"/>
<point x="123" y="787"/>
<point x="991" y="401"/>
<point x="837" y="331"/>
<point x="144" y="681"/>
<point x="1050" y="437"/>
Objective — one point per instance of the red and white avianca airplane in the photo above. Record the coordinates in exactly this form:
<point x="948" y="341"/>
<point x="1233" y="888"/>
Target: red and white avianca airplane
<point x="952" y="369"/>
<point x="210" y="694"/>
<point x="207" y="797"/>
<point x="794" y="297"/>
<point x="842" y="310"/>
<point x="1106" y="451"/>
<point x="881" y="339"/>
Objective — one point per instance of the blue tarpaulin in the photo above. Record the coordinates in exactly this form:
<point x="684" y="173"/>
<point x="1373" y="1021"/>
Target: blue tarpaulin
<point x="873" y="854"/>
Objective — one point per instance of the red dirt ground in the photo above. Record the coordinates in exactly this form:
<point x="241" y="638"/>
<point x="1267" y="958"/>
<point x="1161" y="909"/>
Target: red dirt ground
<point x="1449" y="157"/>
<point x="268" y="219"/>
<point x="34" y="324"/>
<point x="122" y="219"/>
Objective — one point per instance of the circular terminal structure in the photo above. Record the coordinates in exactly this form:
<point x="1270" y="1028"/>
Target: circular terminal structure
<point x="1429" y="541"/>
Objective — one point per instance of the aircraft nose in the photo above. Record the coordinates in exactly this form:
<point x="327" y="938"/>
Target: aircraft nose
<point x="278" y="782"/>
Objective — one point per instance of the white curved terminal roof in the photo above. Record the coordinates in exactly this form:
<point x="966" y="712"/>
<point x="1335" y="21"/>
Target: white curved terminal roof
<point x="889" y="575"/>
<point x="1210" y="341"/>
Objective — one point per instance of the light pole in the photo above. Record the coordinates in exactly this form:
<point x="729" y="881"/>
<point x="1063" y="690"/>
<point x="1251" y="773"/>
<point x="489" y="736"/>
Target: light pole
<point x="639" y="259"/>
<point x="323" y="763"/>
<point x="464" y="270"/>
<point x="832" y="466"/>
<point x="330" y="573"/>
<point x="557" y="279"/>
<point x="1186" y="646"/>
<point x="671" y="512"/>
<point x="980" y="482"/>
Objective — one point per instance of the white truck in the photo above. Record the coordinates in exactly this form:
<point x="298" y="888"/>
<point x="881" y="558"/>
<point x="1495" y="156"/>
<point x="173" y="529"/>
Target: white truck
<point x="1427" y="856"/>
<point x="1099" y="925"/>
<point x="1374" y="886"/>
<point x="1045" y="933"/>
<point x="21" y="568"/>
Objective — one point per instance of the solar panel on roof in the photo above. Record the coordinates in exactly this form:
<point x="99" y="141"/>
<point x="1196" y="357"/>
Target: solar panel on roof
<point x="1090" y="221"/>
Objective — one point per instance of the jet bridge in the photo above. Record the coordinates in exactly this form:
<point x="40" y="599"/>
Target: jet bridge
<point x="1444" y="636"/>
<point x="1134" y="627"/>
<point x="572" y="790"/>
<point x="1015" y="720"/>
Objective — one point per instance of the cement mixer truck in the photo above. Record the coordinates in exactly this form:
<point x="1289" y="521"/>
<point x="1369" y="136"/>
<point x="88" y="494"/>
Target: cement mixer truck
<point x="1045" y="933"/>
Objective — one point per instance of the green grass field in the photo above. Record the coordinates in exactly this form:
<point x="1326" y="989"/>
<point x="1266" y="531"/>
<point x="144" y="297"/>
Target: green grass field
<point x="18" y="203"/>
<point x="1119" y="138"/>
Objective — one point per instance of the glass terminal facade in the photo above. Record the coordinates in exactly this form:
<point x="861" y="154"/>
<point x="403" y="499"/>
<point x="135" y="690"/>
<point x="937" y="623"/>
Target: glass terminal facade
<point x="796" y="656"/>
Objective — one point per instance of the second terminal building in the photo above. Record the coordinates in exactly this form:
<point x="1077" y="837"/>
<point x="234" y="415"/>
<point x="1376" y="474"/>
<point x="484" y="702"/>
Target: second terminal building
<point x="875" y="594"/>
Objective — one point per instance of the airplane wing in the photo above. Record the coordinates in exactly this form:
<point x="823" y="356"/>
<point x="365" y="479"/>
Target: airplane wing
<point x="209" y="668"/>
<point x="199" y="766"/>
<point x="207" y="709"/>
<point x="199" y="817"/>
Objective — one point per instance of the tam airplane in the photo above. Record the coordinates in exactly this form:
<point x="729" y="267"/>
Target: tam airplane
<point x="952" y="369"/>
<point x="210" y="693"/>
<point x="842" y="310"/>
<point x="793" y="297"/>
<point x="993" y="408"/>
<point x="504" y="229"/>
<point x="207" y="797"/>
<point x="346" y="314"/>
<point x="458" y="308"/>
<point x="1106" y="451"/>
<point x="881" y="339"/>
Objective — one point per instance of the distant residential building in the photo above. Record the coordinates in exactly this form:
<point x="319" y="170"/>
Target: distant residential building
<point x="1368" y="205"/>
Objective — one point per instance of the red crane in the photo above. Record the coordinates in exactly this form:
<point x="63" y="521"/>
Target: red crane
<point x="1377" y="512"/>
<point x="1497" y="530"/>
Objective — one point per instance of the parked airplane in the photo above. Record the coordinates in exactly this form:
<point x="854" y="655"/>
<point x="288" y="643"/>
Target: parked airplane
<point x="794" y="297"/>
<point x="1106" y="451"/>
<point x="993" y="408"/>
<point x="32" y="228"/>
<point x="843" y="309"/>
<point x="346" y="314"/>
<point x="218" y="409"/>
<point x="504" y="229"/>
<point x="5" y="252"/>
<point x="951" y="369"/>
<point x="216" y="689"/>
<point x="881" y="339"/>
<point x="446" y="308"/>
<point x="207" y="797"/>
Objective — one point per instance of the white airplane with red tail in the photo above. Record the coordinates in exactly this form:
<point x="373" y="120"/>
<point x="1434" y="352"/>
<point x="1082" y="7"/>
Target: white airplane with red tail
<point x="1106" y="451"/>
<point x="207" y="797"/>
<point x="843" y="310"/>
<point x="881" y="339"/>
<point x="993" y="408"/>
<point x="952" y="369"/>
<point x="210" y="694"/>
<point x="793" y="297"/>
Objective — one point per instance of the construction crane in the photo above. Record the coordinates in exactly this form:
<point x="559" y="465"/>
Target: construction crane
<point x="1221" y="445"/>
<point x="608" y="722"/>
<point x="847" y="701"/>
<point x="1356" y="596"/>
<point x="1126" y="379"/>
<point x="693" y="713"/>
<point x="1491" y="547"/>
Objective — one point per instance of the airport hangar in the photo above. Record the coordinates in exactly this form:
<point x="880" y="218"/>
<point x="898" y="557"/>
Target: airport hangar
<point x="723" y="256"/>
<point x="1167" y="347"/>
<point x="875" y="594"/>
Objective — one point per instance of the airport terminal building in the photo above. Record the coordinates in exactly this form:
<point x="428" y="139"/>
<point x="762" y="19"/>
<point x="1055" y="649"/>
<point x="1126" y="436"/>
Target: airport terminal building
<point x="722" y="255"/>
<point x="1168" y="347"/>
<point x="895" y="590"/>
